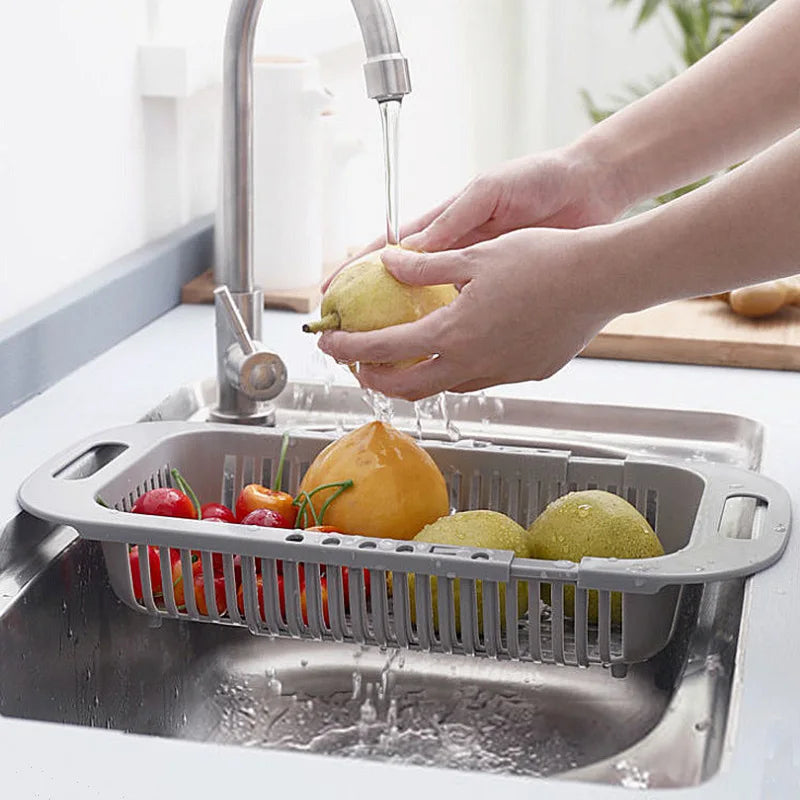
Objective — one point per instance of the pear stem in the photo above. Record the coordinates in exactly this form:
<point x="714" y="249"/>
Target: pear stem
<point x="330" y="322"/>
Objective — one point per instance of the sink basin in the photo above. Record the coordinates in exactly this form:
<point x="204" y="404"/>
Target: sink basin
<point x="71" y="653"/>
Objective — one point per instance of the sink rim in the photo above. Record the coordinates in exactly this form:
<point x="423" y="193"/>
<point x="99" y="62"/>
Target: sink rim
<point x="637" y="430"/>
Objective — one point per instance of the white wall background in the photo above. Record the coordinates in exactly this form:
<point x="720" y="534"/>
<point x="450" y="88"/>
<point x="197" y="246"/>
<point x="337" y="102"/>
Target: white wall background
<point x="90" y="169"/>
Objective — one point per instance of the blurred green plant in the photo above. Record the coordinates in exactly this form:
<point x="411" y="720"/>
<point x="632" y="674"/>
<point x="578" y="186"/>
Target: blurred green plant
<point x="702" y="25"/>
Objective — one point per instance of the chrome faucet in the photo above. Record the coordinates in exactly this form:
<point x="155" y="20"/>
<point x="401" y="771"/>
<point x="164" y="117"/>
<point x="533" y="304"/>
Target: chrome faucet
<point x="247" y="375"/>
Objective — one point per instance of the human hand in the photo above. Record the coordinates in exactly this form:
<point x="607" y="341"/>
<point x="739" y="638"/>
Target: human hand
<point x="528" y="302"/>
<point x="565" y="188"/>
<point x="557" y="189"/>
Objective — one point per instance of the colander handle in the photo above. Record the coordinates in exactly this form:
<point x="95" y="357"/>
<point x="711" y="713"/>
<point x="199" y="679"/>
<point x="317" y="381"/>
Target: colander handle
<point x="710" y="555"/>
<point x="57" y="490"/>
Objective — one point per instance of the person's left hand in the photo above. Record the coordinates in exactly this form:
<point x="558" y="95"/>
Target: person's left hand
<point x="528" y="302"/>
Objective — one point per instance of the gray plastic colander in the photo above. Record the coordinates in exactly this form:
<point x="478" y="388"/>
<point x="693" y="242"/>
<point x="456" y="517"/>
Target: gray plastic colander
<point x="357" y="588"/>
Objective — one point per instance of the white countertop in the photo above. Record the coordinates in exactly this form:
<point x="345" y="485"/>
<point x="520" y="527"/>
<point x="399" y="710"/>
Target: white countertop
<point x="41" y="760"/>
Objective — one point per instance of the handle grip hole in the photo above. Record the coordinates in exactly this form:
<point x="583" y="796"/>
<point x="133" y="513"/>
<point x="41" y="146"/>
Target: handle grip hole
<point x="91" y="461"/>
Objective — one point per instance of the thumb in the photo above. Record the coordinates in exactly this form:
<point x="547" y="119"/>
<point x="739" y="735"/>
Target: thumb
<point x="428" y="269"/>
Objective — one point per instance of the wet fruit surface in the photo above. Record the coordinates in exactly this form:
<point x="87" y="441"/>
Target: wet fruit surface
<point x="591" y="523"/>
<point x="397" y="487"/>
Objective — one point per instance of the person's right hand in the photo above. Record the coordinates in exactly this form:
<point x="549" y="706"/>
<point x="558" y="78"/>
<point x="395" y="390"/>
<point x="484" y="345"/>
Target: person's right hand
<point x="564" y="188"/>
<point x="556" y="189"/>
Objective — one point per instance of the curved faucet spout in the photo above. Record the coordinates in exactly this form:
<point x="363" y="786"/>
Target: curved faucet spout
<point x="386" y="74"/>
<point x="385" y="70"/>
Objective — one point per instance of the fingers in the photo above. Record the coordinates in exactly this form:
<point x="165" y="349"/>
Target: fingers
<point x="387" y="345"/>
<point x="471" y="209"/>
<point x="406" y="230"/>
<point x="430" y="269"/>
<point x="422" y="222"/>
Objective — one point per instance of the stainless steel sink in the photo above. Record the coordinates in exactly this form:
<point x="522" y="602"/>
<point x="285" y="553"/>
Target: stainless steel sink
<point x="70" y="652"/>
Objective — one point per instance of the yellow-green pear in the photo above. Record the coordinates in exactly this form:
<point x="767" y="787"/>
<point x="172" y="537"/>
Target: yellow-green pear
<point x="480" y="528"/>
<point x="591" y="523"/>
<point x="365" y="296"/>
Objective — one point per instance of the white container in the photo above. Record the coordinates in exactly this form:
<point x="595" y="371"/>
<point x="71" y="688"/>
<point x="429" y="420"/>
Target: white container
<point x="340" y="147"/>
<point x="288" y="169"/>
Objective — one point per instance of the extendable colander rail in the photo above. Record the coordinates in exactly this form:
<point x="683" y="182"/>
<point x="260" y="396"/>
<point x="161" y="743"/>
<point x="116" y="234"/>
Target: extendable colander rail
<point x="471" y="601"/>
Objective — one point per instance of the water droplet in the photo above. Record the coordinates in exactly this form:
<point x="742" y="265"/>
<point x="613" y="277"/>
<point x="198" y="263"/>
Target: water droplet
<point x="780" y="528"/>
<point x="714" y="664"/>
<point x="453" y="433"/>
<point x="631" y="776"/>
<point x="273" y="684"/>
<point x="418" y="415"/>
<point x="583" y="510"/>
<point x="382" y="406"/>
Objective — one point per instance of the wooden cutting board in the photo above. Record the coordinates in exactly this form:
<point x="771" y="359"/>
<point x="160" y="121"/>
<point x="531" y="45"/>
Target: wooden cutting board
<point x="302" y="300"/>
<point x="702" y="331"/>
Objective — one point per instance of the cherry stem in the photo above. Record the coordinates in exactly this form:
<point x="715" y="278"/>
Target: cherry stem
<point x="276" y="484"/>
<point x="305" y="506"/>
<point x="184" y="486"/>
<point x="306" y="503"/>
<point x="343" y="486"/>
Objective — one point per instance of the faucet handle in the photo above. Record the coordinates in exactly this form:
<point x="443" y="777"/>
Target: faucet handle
<point x="223" y="295"/>
<point x="251" y="369"/>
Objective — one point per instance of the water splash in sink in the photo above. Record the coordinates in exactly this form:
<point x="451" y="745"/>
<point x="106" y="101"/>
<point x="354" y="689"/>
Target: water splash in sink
<point x="631" y="776"/>
<point x="470" y="729"/>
